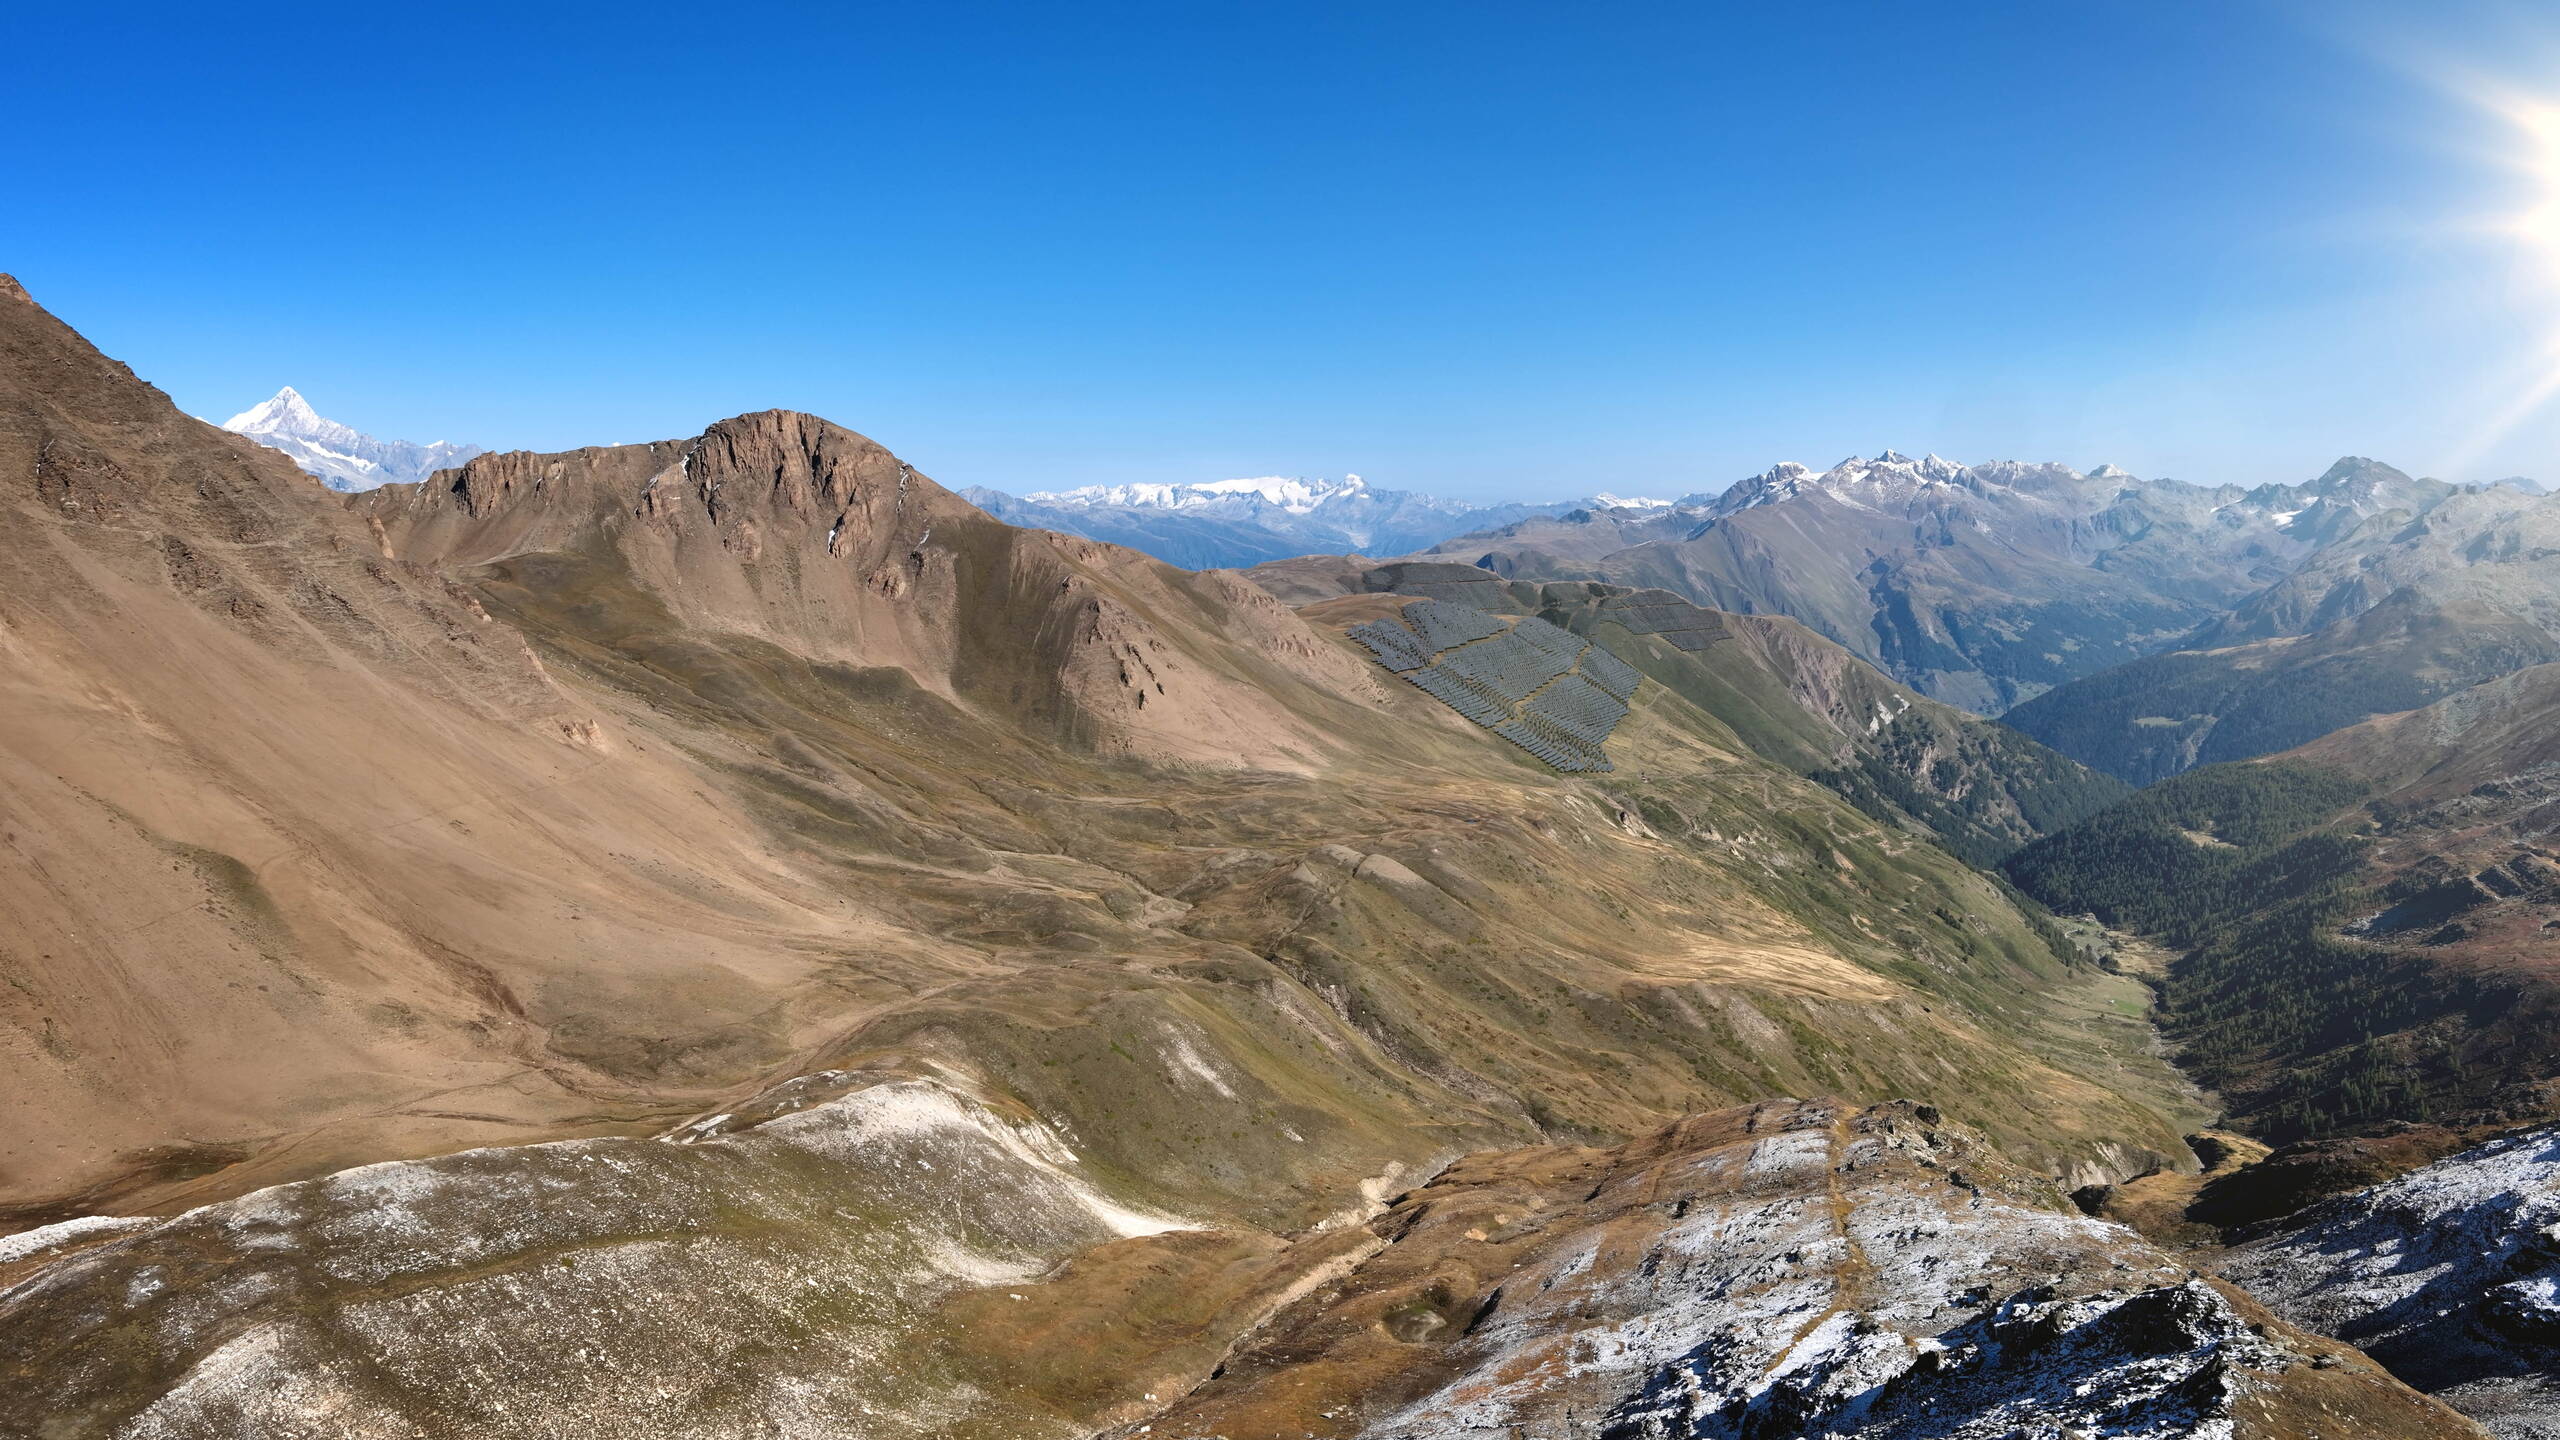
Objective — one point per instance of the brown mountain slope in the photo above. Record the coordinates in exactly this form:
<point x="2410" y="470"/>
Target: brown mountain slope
<point x="751" y="792"/>
<point x="805" y="535"/>
<point x="318" y="861"/>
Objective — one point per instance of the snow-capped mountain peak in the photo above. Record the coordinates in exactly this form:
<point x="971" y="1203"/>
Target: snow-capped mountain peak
<point x="340" y="456"/>
<point x="1207" y="523"/>
<point x="1294" y="494"/>
<point x="287" y="414"/>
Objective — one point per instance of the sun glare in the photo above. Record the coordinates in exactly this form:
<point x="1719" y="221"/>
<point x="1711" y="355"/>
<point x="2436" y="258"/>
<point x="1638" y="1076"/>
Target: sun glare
<point x="2528" y="225"/>
<point x="2537" y="157"/>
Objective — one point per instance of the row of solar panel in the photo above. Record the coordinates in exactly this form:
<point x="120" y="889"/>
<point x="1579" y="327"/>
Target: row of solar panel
<point x="1518" y="682"/>
<point x="1571" y="758"/>
<point x="1610" y="673"/>
<point x="1396" y="647"/>
<point x="1444" y="626"/>
<point x="1655" y="619"/>
<point x="1549" y="638"/>
<point x="1461" y="694"/>
<point x="1507" y="665"/>
<point x="1577" y="708"/>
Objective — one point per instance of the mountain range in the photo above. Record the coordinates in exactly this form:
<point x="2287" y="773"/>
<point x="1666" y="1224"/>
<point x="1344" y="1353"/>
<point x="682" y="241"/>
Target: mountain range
<point x="453" y="919"/>
<point x="726" y="936"/>
<point x="1980" y="585"/>
<point x="343" y="458"/>
<point x="1235" y="523"/>
<point x="2412" y="602"/>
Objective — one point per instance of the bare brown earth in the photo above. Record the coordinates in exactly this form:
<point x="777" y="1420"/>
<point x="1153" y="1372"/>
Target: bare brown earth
<point x="954" y="901"/>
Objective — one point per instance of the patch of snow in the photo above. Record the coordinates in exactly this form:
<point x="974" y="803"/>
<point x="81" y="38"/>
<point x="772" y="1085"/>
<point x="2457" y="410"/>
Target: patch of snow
<point x="915" y="1109"/>
<point x="2448" y="1274"/>
<point x="1187" y="1060"/>
<point x="28" y="1243"/>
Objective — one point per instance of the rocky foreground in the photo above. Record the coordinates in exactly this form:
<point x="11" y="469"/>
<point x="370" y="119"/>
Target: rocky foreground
<point x="2449" y="1275"/>
<point x="867" y="1256"/>
<point x="1777" y="1270"/>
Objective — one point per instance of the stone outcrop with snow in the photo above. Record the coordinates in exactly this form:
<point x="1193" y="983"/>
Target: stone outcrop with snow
<point x="2450" y="1275"/>
<point x="1772" y="1272"/>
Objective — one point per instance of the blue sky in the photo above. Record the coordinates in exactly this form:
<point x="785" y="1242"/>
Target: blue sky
<point x="1486" y="249"/>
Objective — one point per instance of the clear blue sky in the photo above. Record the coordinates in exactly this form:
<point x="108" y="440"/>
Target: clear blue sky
<point x="1479" y="248"/>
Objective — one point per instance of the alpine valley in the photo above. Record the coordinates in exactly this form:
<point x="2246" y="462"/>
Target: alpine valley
<point x="727" y="937"/>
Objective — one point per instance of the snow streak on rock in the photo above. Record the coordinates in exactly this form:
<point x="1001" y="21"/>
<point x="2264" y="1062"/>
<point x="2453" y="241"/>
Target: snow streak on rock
<point x="2450" y="1275"/>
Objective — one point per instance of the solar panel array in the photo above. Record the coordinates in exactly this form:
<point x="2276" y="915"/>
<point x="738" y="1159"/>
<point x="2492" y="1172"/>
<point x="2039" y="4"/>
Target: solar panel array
<point x="1546" y="690"/>
<point x="1686" y="626"/>
<point x="1610" y="673"/>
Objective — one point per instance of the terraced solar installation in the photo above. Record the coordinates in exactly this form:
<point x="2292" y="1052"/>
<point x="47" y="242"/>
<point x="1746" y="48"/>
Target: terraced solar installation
<point x="1659" y="612"/>
<point x="1546" y="690"/>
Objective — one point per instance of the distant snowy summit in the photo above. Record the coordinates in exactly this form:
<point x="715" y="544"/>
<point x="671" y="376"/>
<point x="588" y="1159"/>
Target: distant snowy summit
<point x="342" y="457"/>
<point x="1212" y="523"/>
<point x="1293" y="494"/>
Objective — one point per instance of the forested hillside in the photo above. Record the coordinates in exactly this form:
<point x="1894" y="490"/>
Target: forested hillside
<point x="2287" y="997"/>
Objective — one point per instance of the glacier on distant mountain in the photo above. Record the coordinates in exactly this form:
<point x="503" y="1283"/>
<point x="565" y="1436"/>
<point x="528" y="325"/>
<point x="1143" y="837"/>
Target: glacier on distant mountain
<point x="340" y="456"/>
